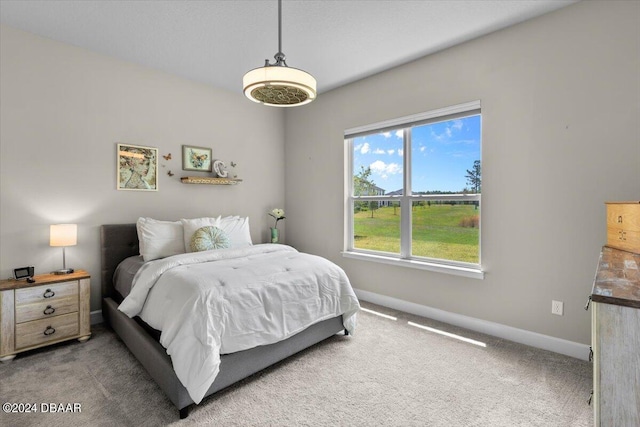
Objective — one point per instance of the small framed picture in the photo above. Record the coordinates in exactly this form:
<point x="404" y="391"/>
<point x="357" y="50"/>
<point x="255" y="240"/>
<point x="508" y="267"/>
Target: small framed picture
<point x="137" y="168"/>
<point x="196" y="158"/>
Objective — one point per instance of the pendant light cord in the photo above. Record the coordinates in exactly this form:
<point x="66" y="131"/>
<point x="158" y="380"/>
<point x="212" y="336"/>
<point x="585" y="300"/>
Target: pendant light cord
<point x="281" y="60"/>
<point x="279" y="26"/>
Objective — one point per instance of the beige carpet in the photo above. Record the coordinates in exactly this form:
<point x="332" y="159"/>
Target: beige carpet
<point x="388" y="374"/>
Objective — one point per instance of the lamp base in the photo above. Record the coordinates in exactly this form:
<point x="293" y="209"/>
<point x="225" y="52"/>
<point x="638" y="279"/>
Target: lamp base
<point x="64" y="271"/>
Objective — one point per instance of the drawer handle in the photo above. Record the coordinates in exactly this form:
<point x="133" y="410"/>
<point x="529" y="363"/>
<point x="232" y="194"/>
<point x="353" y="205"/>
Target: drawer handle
<point x="590" y="354"/>
<point x="49" y="310"/>
<point x="586" y="307"/>
<point x="49" y="331"/>
<point x="48" y="293"/>
<point x="622" y="234"/>
<point x="620" y="219"/>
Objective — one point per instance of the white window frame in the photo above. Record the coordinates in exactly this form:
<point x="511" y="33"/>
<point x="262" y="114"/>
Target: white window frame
<point x="405" y="258"/>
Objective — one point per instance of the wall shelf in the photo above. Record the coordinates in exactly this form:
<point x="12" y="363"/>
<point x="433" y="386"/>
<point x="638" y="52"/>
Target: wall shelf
<point x="209" y="180"/>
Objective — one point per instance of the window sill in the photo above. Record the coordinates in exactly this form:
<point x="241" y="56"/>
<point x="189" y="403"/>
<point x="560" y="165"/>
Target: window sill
<point x="421" y="265"/>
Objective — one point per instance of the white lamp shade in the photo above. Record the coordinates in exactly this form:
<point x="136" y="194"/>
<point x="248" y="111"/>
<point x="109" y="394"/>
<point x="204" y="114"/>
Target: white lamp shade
<point x="279" y="86"/>
<point x="63" y="235"/>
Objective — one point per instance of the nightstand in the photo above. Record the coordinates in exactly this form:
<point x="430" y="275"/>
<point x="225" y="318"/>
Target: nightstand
<point x="53" y="309"/>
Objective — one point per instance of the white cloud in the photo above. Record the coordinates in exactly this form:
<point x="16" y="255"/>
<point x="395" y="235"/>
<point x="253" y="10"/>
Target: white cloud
<point x="390" y="152"/>
<point x="378" y="151"/>
<point x="455" y="126"/>
<point x="385" y="169"/>
<point x="394" y="168"/>
<point x="386" y="134"/>
<point x="365" y="148"/>
<point x="423" y="148"/>
<point x="400" y="152"/>
<point x="399" y="134"/>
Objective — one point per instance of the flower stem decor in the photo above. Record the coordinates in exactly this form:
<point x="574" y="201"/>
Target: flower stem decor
<point x="278" y="214"/>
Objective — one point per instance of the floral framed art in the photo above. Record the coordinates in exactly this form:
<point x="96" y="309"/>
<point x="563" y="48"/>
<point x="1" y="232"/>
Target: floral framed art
<point x="137" y="168"/>
<point x="196" y="158"/>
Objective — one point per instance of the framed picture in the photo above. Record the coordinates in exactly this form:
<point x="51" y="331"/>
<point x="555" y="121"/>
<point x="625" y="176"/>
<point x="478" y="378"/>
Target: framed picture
<point x="196" y="158"/>
<point x="137" y="168"/>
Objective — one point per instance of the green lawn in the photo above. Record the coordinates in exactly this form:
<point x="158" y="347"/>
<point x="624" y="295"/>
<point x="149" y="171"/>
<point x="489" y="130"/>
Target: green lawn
<point x="437" y="231"/>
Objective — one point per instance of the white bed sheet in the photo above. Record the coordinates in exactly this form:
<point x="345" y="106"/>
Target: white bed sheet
<point x="216" y="302"/>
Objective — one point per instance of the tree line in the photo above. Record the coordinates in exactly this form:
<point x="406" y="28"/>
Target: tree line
<point x="363" y="185"/>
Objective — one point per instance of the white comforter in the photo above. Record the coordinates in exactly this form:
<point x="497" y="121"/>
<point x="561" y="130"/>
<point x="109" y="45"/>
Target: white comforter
<point x="216" y="302"/>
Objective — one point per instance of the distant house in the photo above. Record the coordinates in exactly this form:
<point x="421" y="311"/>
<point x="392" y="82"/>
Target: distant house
<point x="377" y="191"/>
<point x="389" y="202"/>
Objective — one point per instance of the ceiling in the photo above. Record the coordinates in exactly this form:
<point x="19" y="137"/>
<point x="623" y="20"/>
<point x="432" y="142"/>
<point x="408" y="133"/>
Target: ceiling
<point x="216" y="42"/>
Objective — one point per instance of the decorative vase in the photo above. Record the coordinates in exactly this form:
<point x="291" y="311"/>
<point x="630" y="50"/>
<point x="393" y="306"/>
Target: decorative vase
<point x="274" y="235"/>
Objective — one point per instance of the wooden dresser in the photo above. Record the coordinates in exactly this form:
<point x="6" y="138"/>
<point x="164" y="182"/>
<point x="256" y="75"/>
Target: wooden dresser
<point x="615" y="339"/>
<point x="55" y="308"/>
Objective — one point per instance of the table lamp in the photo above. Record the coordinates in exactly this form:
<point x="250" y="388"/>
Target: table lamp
<point x="63" y="235"/>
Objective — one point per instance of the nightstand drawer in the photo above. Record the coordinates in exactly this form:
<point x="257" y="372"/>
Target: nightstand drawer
<point x="37" y="332"/>
<point x="46" y="309"/>
<point x="46" y="292"/>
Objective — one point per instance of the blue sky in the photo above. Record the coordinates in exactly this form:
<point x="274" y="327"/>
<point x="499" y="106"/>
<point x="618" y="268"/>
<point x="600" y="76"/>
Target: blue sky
<point x="441" y="154"/>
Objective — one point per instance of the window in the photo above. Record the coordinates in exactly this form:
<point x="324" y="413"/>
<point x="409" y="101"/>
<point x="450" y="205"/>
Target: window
<point x="413" y="190"/>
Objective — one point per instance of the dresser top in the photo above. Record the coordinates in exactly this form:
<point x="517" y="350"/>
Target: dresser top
<point x="617" y="279"/>
<point x="634" y="202"/>
<point x="42" y="279"/>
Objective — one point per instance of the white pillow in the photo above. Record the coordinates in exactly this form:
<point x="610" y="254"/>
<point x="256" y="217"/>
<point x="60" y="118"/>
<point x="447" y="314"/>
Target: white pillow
<point x="230" y="217"/>
<point x="238" y="231"/>
<point x="190" y="226"/>
<point x="159" y="239"/>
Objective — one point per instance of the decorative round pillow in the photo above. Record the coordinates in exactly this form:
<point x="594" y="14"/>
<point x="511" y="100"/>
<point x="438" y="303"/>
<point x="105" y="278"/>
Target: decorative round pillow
<point x="208" y="238"/>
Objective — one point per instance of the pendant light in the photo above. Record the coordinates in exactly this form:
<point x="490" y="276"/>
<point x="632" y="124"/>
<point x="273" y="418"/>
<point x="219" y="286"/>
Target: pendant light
<point x="277" y="84"/>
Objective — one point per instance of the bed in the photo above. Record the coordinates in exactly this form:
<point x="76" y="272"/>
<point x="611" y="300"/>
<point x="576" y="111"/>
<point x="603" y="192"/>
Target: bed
<point x="120" y="242"/>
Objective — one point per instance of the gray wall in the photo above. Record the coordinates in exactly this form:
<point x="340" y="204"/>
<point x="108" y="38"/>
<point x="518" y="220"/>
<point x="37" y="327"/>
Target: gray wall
<point x="561" y="106"/>
<point x="560" y="97"/>
<point x="62" y="111"/>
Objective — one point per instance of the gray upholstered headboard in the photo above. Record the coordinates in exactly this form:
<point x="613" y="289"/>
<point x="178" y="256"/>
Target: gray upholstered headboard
<point x="117" y="242"/>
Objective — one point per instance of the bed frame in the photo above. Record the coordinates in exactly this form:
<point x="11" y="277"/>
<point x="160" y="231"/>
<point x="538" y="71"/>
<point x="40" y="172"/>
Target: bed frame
<point x="120" y="241"/>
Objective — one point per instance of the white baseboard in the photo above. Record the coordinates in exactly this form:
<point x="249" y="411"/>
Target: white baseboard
<point x="96" y="317"/>
<point x="534" y="339"/>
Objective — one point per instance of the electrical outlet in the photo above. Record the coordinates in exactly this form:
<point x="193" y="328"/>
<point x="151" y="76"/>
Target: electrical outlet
<point x="557" y="307"/>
